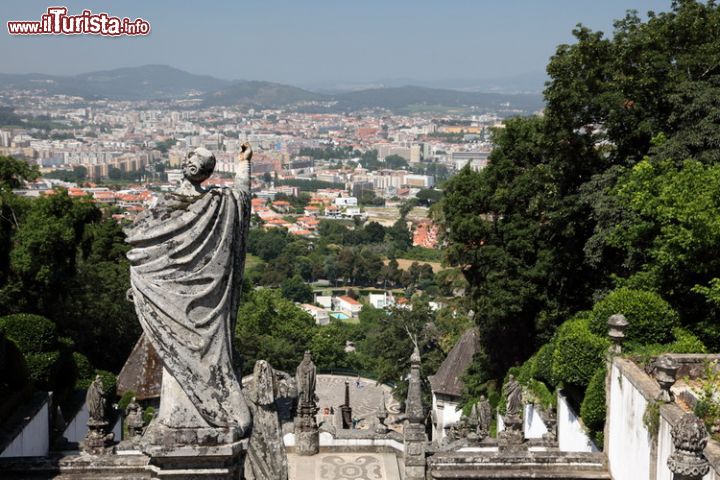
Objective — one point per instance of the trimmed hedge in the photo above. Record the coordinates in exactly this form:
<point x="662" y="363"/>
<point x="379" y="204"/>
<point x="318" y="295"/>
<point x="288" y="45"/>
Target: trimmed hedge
<point x="651" y="319"/>
<point x="577" y="353"/>
<point x="84" y="371"/>
<point x="31" y="333"/>
<point x="14" y="372"/>
<point x="543" y="364"/>
<point x="44" y="369"/>
<point x="592" y="409"/>
<point x="685" y="342"/>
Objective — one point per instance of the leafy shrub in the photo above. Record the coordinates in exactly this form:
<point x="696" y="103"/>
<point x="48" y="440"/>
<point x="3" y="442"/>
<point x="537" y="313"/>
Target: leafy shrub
<point x="651" y="319"/>
<point x="14" y="372"/>
<point x="685" y="342"/>
<point x="148" y="415"/>
<point x="592" y="409"/>
<point x="543" y="364"/>
<point x="31" y="333"/>
<point x="44" y="369"/>
<point x="125" y="400"/>
<point x="578" y="352"/>
<point x="109" y="380"/>
<point x="84" y="371"/>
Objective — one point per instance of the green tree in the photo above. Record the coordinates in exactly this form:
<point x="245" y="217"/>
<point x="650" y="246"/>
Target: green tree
<point x="400" y="236"/>
<point x="295" y="289"/>
<point x="271" y="327"/>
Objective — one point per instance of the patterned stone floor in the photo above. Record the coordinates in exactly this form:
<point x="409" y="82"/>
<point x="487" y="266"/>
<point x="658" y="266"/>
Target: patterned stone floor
<point x="344" y="466"/>
<point x="365" y="395"/>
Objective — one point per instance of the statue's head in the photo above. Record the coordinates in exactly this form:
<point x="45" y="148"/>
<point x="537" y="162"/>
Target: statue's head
<point x="199" y="165"/>
<point x="307" y="356"/>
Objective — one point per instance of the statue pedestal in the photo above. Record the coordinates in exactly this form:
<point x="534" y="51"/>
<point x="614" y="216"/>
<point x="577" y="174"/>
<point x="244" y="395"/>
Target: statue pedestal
<point x="307" y="433"/>
<point x="97" y="441"/>
<point x="179" y="424"/>
<point x="511" y="439"/>
<point x="222" y="462"/>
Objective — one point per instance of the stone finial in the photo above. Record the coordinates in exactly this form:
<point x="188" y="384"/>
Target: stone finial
<point x="413" y="404"/>
<point x="616" y="331"/>
<point x="666" y="368"/>
<point x="689" y="436"/>
<point x="414" y="437"/>
<point x="382" y="414"/>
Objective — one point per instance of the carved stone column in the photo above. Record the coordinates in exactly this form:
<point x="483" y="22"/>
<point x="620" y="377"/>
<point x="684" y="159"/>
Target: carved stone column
<point x="414" y="430"/>
<point x="688" y="462"/>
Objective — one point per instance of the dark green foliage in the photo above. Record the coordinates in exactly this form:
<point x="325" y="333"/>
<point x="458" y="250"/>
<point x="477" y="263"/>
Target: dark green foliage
<point x="685" y="342"/>
<point x="395" y="162"/>
<point x="578" y="352"/>
<point x="84" y="371"/>
<point x="400" y="236"/>
<point x="31" y="333"/>
<point x="544" y="362"/>
<point x="651" y="319"/>
<point x="125" y="400"/>
<point x="14" y="373"/>
<point x="267" y="244"/>
<point x="14" y="172"/>
<point x="148" y="415"/>
<point x="295" y="289"/>
<point x="428" y="196"/>
<point x="109" y="381"/>
<point x="592" y="409"/>
<point x="273" y="328"/>
<point x="44" y="369"/>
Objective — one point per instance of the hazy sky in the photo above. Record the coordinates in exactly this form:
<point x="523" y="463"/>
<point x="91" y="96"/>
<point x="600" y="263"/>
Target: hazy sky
<point x="305" y="41"/>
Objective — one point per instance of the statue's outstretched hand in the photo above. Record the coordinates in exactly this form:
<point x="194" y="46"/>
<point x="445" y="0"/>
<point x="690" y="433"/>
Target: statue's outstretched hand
<point x="246" y="152"/>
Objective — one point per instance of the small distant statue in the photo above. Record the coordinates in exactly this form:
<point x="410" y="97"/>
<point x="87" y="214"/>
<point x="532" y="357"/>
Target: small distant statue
<point x="513" y="392"/>
<point x="97" y="441"/>
<point x="306" y="378"/>
<point x="512" y="437"/>
<point x="266" y="457"/>
<point x="96" y="402"/>
<point x="134" y="419"/>
<point x="485" y="417"/>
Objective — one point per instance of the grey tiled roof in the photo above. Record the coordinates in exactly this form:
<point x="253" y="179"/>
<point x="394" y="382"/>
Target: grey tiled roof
<point x="447" y="380"/>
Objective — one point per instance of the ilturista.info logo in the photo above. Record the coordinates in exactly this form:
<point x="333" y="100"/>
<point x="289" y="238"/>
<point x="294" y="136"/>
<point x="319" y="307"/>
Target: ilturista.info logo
<point x="56" y="21"/>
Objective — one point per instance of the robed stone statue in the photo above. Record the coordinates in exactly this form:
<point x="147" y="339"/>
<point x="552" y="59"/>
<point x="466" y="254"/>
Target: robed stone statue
<point x="187" y="259"/>
<point x="305" y="377"/>
<point x="513" y="392"/>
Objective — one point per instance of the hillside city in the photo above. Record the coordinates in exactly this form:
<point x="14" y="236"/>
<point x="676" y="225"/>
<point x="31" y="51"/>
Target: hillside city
<point x="203" y="278"/>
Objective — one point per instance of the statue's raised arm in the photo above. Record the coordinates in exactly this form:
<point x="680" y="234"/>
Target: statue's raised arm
<point x="242" y="175"/>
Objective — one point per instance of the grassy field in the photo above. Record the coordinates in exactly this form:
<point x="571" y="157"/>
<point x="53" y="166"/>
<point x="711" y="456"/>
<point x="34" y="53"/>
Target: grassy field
<point x="404" y="264"/>
<point x="252" y="261"/>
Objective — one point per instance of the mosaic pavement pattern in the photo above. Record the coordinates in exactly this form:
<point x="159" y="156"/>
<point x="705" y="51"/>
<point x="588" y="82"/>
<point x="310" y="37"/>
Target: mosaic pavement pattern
<point x="344" y="466"/>
<point x="365" y="395"/>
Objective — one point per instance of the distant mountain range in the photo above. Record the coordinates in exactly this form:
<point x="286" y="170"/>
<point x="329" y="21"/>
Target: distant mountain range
<point x="160" y="82"/>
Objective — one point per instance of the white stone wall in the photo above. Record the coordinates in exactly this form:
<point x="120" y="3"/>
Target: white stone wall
<point x="533" y="425"/>
<point x="447" y="413"/>
<point x="34" y="439"/>
<point x="571" y="431"/>
<point x="629" y="442"/>
<point x="77" y="428"/>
